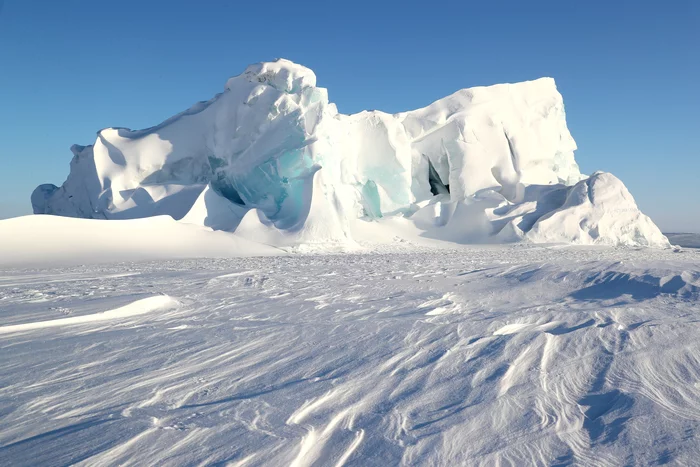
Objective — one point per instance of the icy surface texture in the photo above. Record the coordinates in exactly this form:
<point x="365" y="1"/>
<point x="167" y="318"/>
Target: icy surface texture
<point x="598" y="210"/>
<point x="479" y="356"/>
<point x="273" y="151"/>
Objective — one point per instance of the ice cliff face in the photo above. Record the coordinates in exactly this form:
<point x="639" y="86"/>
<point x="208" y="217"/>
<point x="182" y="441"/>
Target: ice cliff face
<point x="272" y="156"/>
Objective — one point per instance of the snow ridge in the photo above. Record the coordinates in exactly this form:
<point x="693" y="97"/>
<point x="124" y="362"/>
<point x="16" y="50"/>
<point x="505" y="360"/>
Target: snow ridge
<point x="138" y="307"/>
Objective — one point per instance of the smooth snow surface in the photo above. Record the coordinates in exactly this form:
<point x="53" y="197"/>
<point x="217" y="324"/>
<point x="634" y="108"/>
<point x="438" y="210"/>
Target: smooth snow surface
<point x="491" y="355"/>
<point x="273" y="147"/>
<point x="53" y="240"/>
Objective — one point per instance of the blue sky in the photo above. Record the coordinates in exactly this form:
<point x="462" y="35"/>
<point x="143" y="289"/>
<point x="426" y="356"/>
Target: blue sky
<point x="629" y="72"/>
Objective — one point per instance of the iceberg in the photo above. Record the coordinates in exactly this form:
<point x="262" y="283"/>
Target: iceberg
<point x="271" y="157"/>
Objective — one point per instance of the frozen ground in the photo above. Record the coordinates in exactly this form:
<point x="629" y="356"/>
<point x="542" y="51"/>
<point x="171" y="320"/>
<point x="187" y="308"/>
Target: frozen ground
<point x="515" y="355"/>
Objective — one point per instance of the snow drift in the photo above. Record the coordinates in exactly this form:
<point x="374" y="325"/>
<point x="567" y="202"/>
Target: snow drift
<point x="30" y="241"/>
<point x="272" y="158"/>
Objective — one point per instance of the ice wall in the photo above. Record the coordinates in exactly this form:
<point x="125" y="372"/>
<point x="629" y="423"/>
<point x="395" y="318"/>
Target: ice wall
<point x="274" y="145"/>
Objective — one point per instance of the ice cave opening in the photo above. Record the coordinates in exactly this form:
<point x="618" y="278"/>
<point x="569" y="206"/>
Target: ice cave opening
<point x="437" y="187"/>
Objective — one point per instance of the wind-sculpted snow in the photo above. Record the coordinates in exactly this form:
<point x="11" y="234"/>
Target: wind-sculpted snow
<point x="273" y="145"/>
<point x="492" y="355"/>
<point x="598" y="210"/>
<point x="139" y="307"/>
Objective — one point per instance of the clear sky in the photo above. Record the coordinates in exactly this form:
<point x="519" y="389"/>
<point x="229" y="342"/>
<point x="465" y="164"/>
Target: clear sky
<point x="629" y="72"/>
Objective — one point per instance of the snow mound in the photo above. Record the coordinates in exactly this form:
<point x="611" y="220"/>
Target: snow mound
<point x="52" y="240"/>
<point x="272" y="147"/>
<point x="598" y="210"/>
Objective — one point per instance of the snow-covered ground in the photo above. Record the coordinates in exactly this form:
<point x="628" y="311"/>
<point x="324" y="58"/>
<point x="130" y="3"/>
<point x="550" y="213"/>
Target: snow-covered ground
<point x="61" y="241"/>
<point x="510" y="355"/>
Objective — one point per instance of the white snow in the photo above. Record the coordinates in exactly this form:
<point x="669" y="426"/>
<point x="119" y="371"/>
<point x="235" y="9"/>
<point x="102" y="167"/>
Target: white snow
<point x="139" y="307"/>
<point x="483" y="355"/>
<point x="53" y="240"/>
<point x="163" y="322"/>
<point x="273" y="146"/>
<point x="598" y="210"/>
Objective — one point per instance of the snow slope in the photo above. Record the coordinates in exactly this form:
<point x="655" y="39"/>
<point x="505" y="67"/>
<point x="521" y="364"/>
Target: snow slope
<point x="489" y="355"/>
<point x="272" y="147"/>
<point x="59" y="241"/>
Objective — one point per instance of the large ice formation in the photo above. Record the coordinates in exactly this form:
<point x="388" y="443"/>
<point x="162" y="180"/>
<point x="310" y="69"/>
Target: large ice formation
<point x="272" y="158"/>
